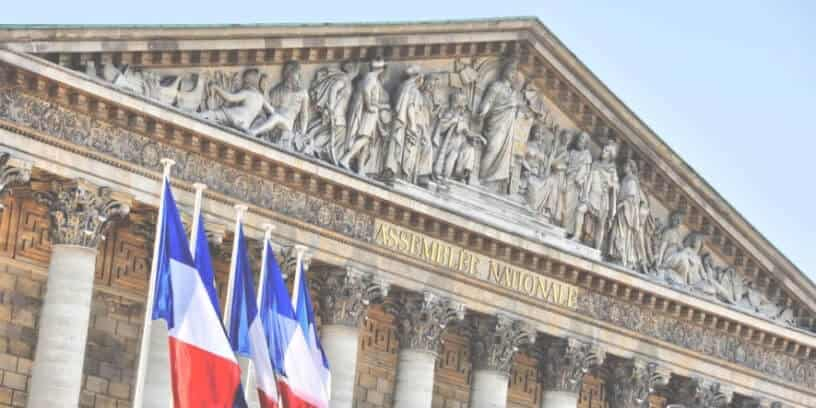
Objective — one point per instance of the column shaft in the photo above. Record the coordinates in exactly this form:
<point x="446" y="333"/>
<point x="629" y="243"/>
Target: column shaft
<point x="415" y="379"/>
<point x="56" y="376"/>
<point x="489" y="389"/>
<point x="340" y="343"/>
<point x="559" y="399"/>
<point x="158" y="391"/>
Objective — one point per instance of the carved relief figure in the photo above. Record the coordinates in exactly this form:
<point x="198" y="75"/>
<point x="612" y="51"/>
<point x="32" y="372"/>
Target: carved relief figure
<point x="627" y="241"/>
<point x="579" y="162"/>
<point x="456" y="156"/>
<point x="369" y="120"/>
<point x="409" y="153"/>
<point x="499" y="108"/>
<point x="240" y="108"/>
<point x="290" y="102"/>
<point x="545" y="164"/>
<point x="670" y="238"/>
<point x="685" y="266"/>
<point x="330" y="93"/>
<point x="599" y="197"/>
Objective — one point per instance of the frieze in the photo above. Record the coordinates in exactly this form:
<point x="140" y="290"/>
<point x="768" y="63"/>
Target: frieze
<point x="129" y="146"/>
<point x="134" y="148"/>
<point x="698" y="338"/>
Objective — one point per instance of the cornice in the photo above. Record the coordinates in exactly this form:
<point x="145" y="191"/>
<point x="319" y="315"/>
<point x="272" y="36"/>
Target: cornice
<point x="181" y="131"/>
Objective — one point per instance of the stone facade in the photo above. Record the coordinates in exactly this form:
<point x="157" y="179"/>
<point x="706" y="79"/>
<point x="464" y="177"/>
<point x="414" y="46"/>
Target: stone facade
<point x="484" y="220"/>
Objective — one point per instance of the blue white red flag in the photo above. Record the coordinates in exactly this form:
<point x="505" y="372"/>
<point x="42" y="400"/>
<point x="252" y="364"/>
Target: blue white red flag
<point x="246" y="331"/>
<point x="299" y="380"/>
<point x="305" y="315"/>
<point x="204" y="370"/>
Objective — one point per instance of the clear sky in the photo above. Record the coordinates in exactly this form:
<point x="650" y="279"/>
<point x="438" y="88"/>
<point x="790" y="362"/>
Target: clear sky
<point x="729" y="85"/>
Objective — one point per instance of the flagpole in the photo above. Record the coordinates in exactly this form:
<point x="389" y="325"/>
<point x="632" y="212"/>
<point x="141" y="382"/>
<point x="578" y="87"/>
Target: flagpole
<point x="250" y="385"/>
<point x="300" y="250"/>
<point x="199" y="194"/>
<point x="144" y="349"/>
<point x="240" y="209"/>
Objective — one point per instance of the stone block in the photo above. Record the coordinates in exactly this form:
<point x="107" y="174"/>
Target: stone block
<point x="6" y="395"/>
<point x="19" y="399"/>
<point x="15" y="381"/>
<point x="96" y="384"/>
<point x="119" y="390"/>
<point x="105" y="402"/>
<point x="105" y="324"/>
<point x="86" y="399"/>
<point x="8" y="362"/>
<point x="24" y="366"/>
<point x="28" y="287"/>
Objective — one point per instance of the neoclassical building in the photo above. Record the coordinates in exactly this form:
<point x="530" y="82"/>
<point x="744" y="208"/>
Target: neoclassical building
<point x="487" y="225"/>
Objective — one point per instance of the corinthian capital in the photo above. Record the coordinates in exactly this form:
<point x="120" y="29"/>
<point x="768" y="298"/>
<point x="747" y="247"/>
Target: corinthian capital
<point x="346" y="292"/>
<point x="290" y="256"/>
<point x="80" y="212"/>
<point x="12" y="172"/>
<point x="421" y="318"/>
<point x="701" y="393"/>
<point x="496" y="339"/>
<point x="565" y="361"/>
<point x="635" y="380"/>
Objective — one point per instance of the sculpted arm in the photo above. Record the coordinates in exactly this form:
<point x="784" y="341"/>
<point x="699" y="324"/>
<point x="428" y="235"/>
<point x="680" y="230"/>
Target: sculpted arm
<point x="230" y="97"/>
<point x="487" y="101"/>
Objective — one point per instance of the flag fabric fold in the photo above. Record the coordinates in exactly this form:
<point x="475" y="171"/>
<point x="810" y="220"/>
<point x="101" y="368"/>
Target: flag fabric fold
<point x="300" y="382"/>
<point x="204" y="370"/>
<point x="305" y="316"/>
<point x="246" y="331"/>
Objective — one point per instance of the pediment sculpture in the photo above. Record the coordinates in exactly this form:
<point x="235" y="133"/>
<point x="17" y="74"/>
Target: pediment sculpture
<point x="460" y="126"/>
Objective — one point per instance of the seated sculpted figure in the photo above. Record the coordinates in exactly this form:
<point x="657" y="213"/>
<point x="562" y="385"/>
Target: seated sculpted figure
<point x="290" y="102"/>
<point x="685" y="268"/>
<point x="456" y="141"/>
<point x="240" y="108"/>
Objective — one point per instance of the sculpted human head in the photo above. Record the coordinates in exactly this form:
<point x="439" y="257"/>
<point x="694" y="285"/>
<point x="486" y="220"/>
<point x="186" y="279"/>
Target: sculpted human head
<point x="581" y="141"/>
<point x="351" y="68"/>
<point x="291" y="76"/>
<point x="250" y="78"/>
<point x="676" y="218"/>
<point x="609" y="152"/>
<point x="509" y="69"/>
<point x="630" y="168"/>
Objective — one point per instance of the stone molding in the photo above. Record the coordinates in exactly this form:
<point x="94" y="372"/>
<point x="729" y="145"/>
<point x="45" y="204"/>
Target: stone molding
<point x="345" y="294"/>
<point x="80" y="212"/>
<point x="421" y="318"/>
<point x="11" y="174"/>
<point x="564" y="363"/>
<point x="633" y="381"/>
<point x="496" y="339"/>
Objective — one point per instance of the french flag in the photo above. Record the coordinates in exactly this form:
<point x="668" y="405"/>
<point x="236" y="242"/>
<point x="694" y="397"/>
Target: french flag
<point x="204" y="370"/>
<point x="300" y="382"/>
<point x="246" y="331"/>
<point x="305" y="315"/>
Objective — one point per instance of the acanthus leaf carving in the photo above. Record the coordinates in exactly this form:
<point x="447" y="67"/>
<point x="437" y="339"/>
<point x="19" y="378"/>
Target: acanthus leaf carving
<point x="566" y="361"/>
<point x="496" y="339"/>
<point x="421" y="318"/>
<point x="12" y="172"/>
<point x="347" y="292"/>
<point x="80" y="212"/>
<point x="633" y="381"/>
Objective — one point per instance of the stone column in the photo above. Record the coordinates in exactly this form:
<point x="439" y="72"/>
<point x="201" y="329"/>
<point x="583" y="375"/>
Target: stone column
<point x="421" y="318"/>
<point x="700" y="392"/>
<point x="563" y="365"/>
<point x="80" y="213"/>
<point x="633" y="381"/>
<point x="494" y="342"/>
<point x="12" y="172"/>
<point x="345" y="294"/>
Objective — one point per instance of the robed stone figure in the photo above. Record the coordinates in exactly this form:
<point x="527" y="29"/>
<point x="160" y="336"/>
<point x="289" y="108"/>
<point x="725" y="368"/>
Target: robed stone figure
<point x="369" y="121"/>
<point x="499" y="107"/>
<point x="409" y="154"/>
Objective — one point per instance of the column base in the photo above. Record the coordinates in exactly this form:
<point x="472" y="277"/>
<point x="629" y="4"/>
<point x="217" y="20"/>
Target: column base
<point x="489" y="389"/>
<point x="559" y="399"/>
<point x="415" y="379"/>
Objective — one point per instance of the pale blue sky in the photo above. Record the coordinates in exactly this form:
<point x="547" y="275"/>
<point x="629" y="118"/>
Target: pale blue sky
<point x="728" y="84"/>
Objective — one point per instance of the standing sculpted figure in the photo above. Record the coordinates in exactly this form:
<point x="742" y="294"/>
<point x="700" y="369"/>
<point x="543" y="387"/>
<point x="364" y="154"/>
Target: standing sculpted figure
<point x="499" y="108"/>
<point x="369" y="120"/>
<point x="545" y="164"/>
<point x="290" y="101"/>
<point x="457" y="151"/>
<point x="627" y="240"/>
<point x="330" y="93"/>
<point x="409" y="151"/>
<point x="240" y="108"/>
<point x="579" y="162"/>
<point x="599" y="197"/>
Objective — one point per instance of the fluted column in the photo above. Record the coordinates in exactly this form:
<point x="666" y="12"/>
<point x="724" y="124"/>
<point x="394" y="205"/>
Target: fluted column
<point x="12" y="172"/>
<point x="700" y="392"/>
<point x="564" y="363"/>
<point x="80" y="213"/>
<point x="494" y="342"/>
<point x="421" y="318"/>
<point x="633" y="381"/>
<point x="344" y="296"/>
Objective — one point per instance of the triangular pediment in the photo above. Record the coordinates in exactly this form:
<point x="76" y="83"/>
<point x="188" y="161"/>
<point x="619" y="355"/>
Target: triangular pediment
<point x="444" y="125"/>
